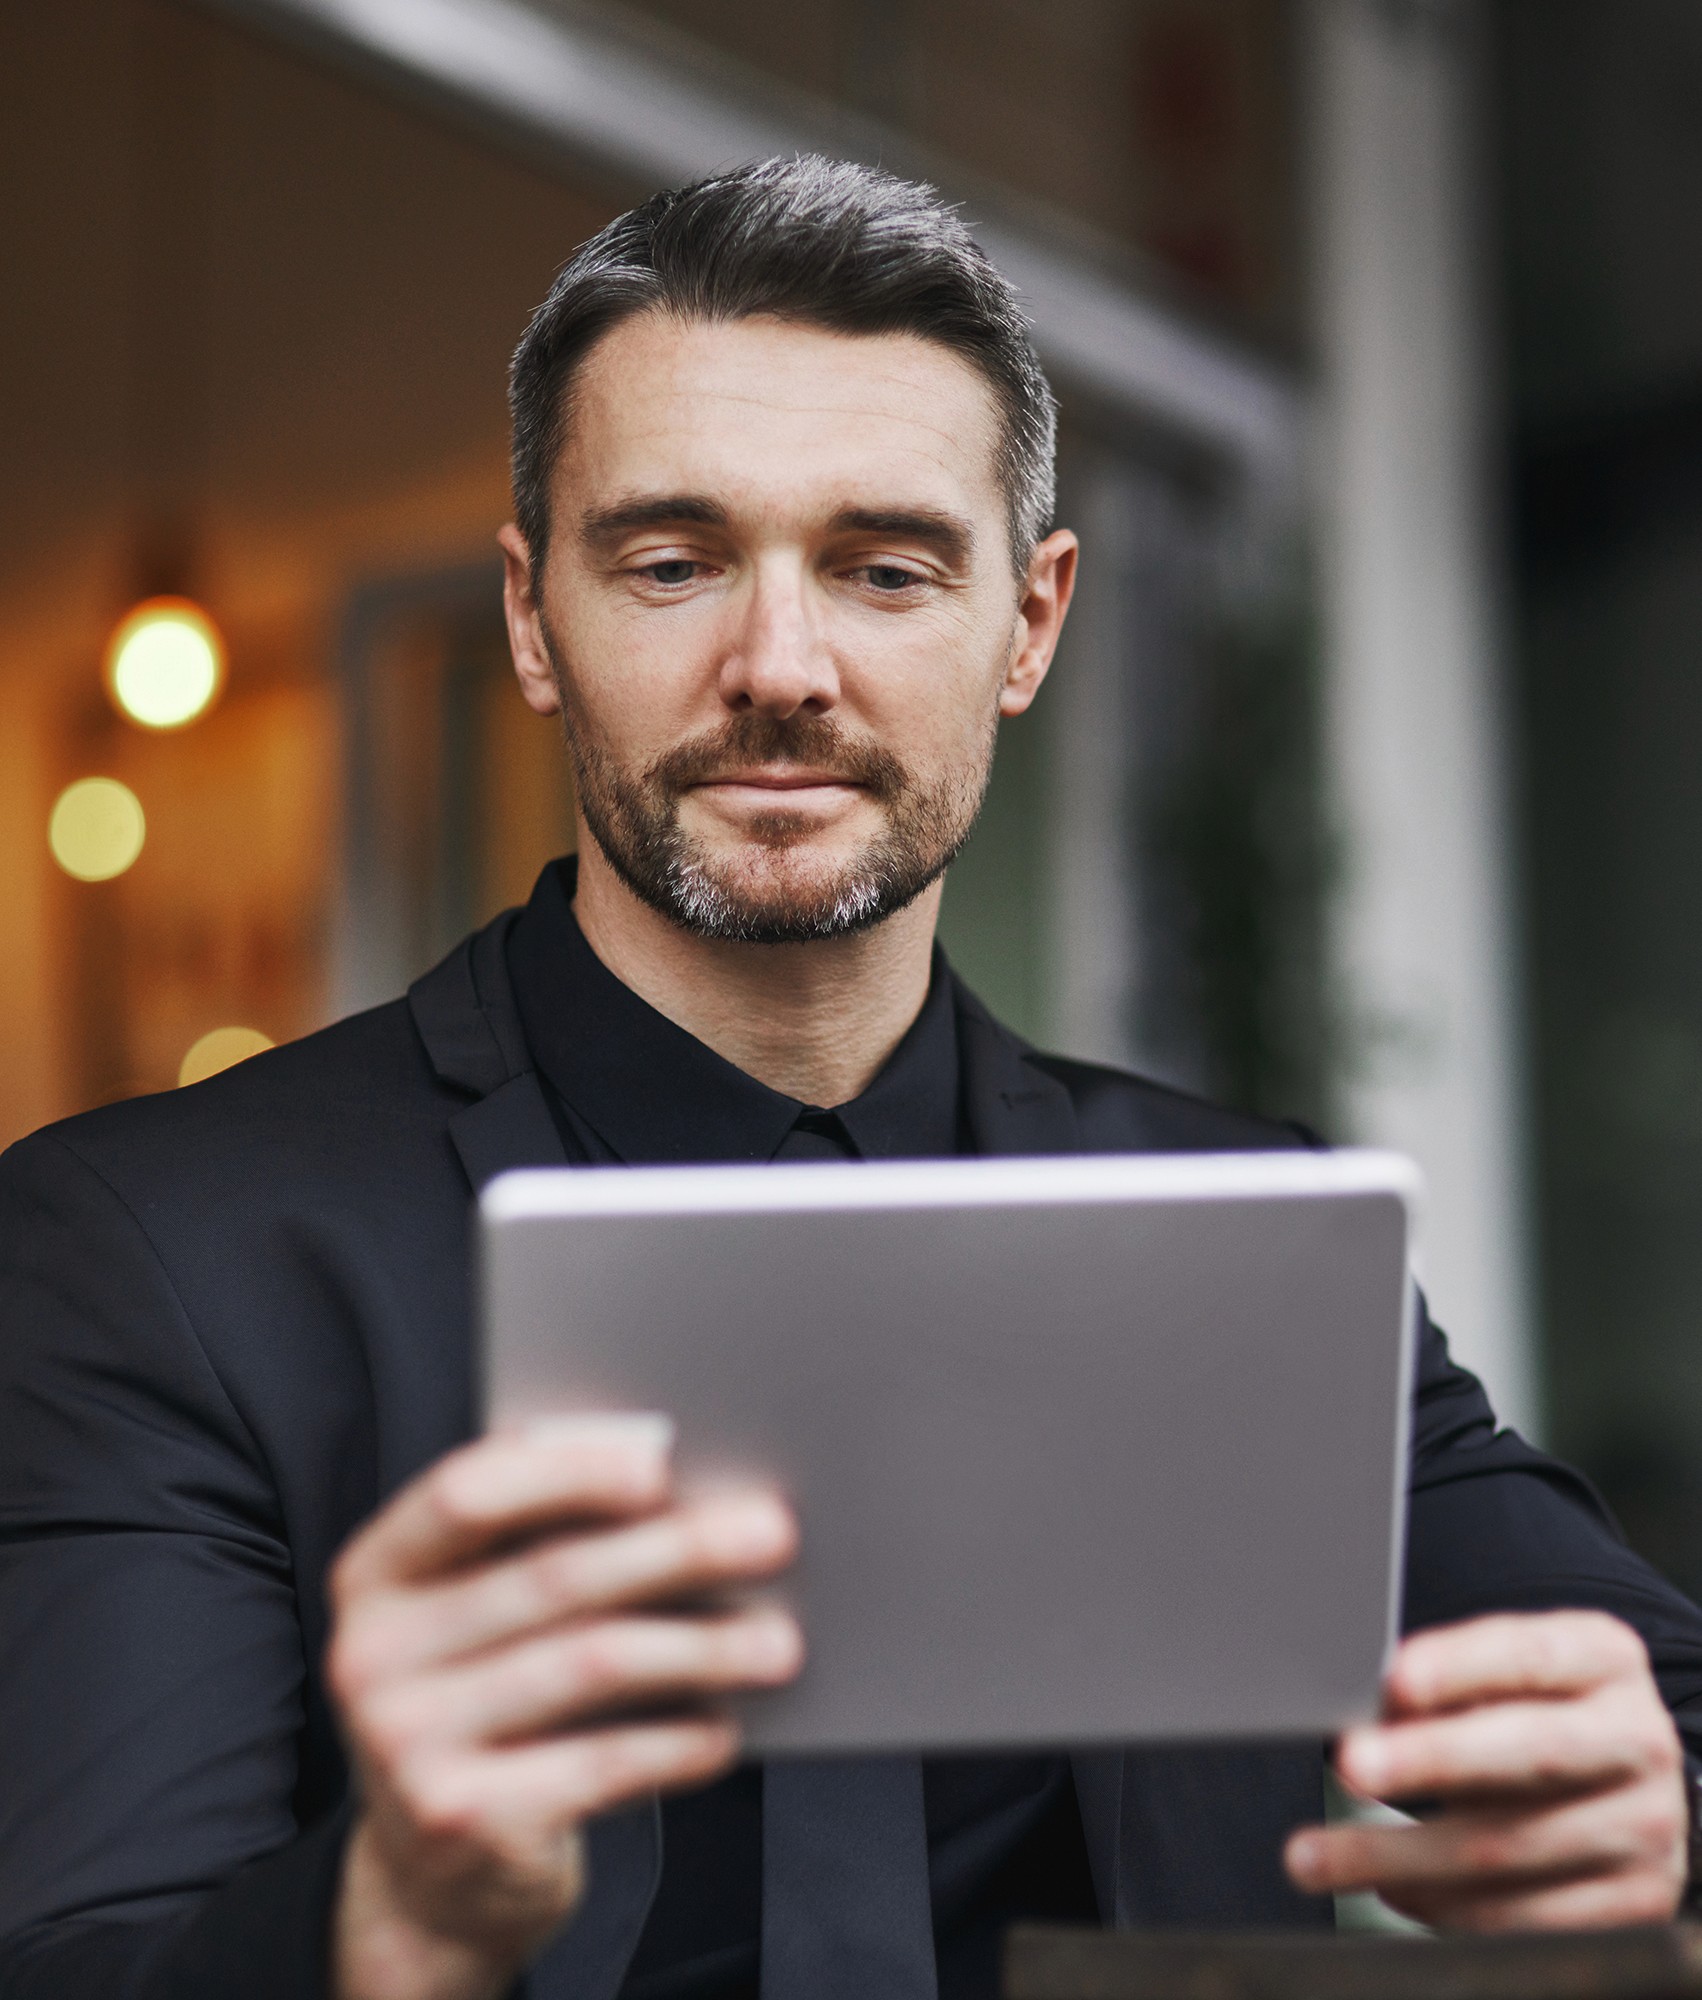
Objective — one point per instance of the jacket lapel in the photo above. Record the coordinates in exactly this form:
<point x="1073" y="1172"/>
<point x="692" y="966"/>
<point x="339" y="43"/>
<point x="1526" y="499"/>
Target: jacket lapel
<point x="1014" y="1107"/>
<point x="587" y="1960"/>
<point x="510" y="1128"/>
<point x="465" y="1013"/>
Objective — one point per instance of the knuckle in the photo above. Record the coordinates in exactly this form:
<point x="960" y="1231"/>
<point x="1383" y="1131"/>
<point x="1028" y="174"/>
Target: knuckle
<point x="1659" y="1757"/>
<point x="709" y="1750"/>
<point x="608" y="1766"/>
<point x="438" y="1805"/>
<point x="1610" y="1639"/>
<point x="1554" y="1753"/>
<point x="1662" y="1751"/>
<point x="352" y="1666"/>
<point x="1660" y="1827"/>
<point x="592" y="1665"/>
<point x="555" y="1577"/>
<point x="702" y="1544"/>
<point x="1634" y="1719"/>
<point x="1621" y="1643"/>
<point x="387" y="1732"/>
<point x="1489" y="1850"/>
<point x="728" y="1647"/>
<point x="1648" y="1897"/>
<point x="1546" y="1641"/>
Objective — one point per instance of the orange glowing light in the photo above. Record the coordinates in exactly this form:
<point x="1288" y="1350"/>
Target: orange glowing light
<point x="165" y="663"/>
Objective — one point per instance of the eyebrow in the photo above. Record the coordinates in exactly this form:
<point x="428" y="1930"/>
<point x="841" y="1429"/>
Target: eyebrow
<point x="602" y="525"/>
<point x="949" y="535"/>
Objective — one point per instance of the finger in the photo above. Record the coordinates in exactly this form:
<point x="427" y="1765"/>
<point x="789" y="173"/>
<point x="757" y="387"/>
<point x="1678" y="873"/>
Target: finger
<point x="570" y="1676"/>
<point x="1481" y="1849"/>
<point x="704" y="1545"/>
<point x="1520" y="1747"/>
<point x="560" y="1782"/>
<point x="1600" y="1902"/>
<point x="579" y="1776"/>
<point x="573" y="1468"/>
<point x="1519" y="1653"/>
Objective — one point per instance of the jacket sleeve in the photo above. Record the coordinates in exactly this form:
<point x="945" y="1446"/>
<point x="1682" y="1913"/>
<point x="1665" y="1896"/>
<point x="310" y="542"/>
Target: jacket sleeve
<point x="1495" y="1525"/>
<point x="151" y="1668"/>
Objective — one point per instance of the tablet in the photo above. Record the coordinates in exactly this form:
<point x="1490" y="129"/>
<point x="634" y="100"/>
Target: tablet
<point x="1085" y="1451"/>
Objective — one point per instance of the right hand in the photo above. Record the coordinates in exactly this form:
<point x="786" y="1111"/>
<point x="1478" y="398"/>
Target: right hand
<point x="529" y="1634"/>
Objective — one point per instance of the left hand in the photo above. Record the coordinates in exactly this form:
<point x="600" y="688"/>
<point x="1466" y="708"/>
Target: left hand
<point x="1555" y="1770"/>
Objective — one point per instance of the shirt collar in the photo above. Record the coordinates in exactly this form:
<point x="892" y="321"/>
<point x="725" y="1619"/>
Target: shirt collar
<point x="656" y="1095"/>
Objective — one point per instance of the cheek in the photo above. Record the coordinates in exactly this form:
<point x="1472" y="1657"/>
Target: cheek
<point x="637" y="682"/>
<point x="934" y="704"/>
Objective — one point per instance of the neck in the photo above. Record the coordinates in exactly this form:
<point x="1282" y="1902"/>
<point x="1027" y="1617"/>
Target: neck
<point x="813" y="1021"/>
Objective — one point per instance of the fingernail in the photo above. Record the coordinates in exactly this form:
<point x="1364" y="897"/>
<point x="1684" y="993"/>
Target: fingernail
<point x="756" y="1527"/>
<point x="648" y="1430"/>
<point x="1364" y="1762"/>
<point x="776" y="1645"/>
<point x="1305" y="1857"/>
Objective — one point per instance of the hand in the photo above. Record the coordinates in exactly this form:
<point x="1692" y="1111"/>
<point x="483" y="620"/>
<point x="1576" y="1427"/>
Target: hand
<point x="1557" y="1771"/>
<point x="526" y="1636"/>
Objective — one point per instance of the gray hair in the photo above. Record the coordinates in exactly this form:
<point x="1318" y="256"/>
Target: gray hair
<point x="821" y="242"/>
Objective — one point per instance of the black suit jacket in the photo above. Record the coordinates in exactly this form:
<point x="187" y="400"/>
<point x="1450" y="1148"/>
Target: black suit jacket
<point x="234" y="1318"/>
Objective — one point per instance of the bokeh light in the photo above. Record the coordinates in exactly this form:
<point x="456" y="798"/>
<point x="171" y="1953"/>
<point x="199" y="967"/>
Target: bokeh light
<point x="96" y="829"/>
<point x="219" y="1049"/>
<point x="165" y="663"/>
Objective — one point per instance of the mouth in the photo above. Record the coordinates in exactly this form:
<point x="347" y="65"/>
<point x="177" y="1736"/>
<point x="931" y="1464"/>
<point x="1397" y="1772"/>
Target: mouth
<point x="784" y="780"/>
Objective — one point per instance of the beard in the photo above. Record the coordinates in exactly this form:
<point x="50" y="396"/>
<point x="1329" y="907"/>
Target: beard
<point x="772" y="889"/>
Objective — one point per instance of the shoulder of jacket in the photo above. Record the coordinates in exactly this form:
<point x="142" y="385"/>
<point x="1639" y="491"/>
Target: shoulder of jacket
<point x="324" y="1091"/>
<point x="1118" y="1110"/>
<point x="1110" y="1102"/>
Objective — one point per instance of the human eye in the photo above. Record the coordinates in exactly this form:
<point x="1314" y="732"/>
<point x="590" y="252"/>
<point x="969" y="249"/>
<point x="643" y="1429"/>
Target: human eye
<point x="891" y="579"/>
<point x="670" y="571"/>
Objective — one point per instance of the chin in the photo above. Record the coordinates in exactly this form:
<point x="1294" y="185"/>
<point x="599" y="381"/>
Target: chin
<point x="763" y="898"/>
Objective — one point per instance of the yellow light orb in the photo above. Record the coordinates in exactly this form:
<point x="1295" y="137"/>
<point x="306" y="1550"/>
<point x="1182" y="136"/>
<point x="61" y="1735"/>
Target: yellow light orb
<point x="219" y="1049"/>
<point x="96" y="829"/>
<point x="165" y="663"/>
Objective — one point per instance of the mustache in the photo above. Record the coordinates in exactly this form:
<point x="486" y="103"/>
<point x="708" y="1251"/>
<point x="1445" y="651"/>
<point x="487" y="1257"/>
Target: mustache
<point x="815" y="741"/>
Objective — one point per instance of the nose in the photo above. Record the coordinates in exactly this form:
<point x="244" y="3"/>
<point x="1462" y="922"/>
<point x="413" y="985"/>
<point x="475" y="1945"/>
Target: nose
<point x="779" y="662"/>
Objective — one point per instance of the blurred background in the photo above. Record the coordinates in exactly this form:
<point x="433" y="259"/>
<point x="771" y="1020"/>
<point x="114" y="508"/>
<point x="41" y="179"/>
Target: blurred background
<point x="1365" y="791"/>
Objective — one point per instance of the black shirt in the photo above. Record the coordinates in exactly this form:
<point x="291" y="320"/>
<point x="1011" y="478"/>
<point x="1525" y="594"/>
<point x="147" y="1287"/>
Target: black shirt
<point x="629" y="1087"/>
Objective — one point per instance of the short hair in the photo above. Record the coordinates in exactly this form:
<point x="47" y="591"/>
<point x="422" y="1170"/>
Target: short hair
<point x="820" y="242"/>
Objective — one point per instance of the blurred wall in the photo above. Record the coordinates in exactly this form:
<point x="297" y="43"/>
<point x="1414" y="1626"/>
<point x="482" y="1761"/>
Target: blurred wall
<point x="1162" y="126"/>
<point x="1431" y="1003"/>
<point x="265" y="319"/>
<point x="1601" y="121"/>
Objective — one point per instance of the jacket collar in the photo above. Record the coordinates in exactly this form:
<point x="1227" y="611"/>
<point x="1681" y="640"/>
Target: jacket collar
<point x="465" y="1015"/>
<point x="1014" y="1107"/>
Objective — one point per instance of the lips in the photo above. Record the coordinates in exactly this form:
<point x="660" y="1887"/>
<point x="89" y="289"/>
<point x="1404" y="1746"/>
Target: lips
<point x="789" y="779"/>
<point x="757" y="756"/>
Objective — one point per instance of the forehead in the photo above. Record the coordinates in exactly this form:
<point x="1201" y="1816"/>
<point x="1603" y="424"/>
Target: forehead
<point x="763" y="410"/>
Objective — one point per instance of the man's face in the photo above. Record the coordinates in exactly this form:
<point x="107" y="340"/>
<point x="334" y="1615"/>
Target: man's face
<point x="780" y="618"/>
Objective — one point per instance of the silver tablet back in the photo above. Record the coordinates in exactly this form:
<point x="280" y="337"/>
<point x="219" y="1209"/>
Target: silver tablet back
<point x="1093" y="1450"/>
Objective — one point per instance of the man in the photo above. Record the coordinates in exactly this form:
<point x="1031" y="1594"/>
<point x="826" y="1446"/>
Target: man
<point x="302" y="1693"/>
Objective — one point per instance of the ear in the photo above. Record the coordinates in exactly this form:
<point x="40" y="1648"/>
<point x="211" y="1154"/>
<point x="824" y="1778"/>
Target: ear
<point x="1046" y="594"/>
<point x="522" y="609"/>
